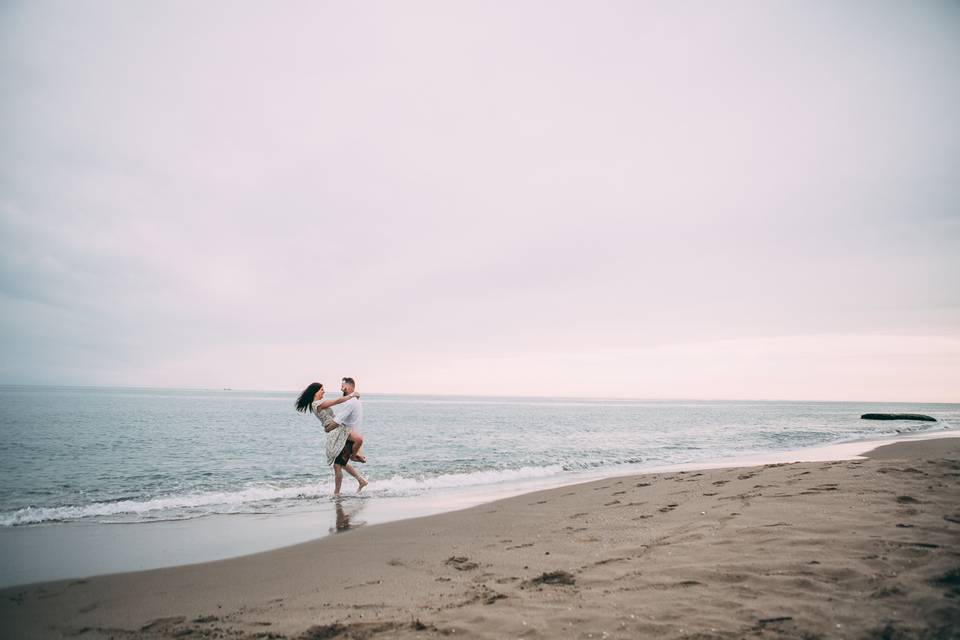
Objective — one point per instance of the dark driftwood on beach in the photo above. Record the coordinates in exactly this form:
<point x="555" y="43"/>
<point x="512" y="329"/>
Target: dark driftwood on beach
<point x="897" y="416"/>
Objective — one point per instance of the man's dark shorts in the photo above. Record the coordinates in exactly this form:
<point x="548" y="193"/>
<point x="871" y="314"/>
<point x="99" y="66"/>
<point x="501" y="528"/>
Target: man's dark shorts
<point x="344" y="456"/>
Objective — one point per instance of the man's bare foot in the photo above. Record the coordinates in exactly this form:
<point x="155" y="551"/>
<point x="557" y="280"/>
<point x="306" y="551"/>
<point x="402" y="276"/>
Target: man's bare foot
<point x="363" y="483"/>
<point x="358" y="457"/>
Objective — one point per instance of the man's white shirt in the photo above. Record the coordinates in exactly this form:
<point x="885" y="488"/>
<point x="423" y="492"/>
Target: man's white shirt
<point x="349" y="413"/>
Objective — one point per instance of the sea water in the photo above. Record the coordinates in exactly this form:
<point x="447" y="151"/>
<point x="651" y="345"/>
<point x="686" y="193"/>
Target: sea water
<point x="122" y="455"/>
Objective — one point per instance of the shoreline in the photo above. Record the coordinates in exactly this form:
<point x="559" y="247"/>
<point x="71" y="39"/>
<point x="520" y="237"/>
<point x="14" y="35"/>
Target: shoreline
<point x="817" y="547"/>
<point x="42" y="553"/>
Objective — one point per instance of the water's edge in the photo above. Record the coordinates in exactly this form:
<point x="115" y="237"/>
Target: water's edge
<point x="71" y="550"/>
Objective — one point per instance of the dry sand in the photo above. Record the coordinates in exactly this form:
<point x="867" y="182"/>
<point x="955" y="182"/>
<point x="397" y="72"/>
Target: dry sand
<point x="845" y="549"/>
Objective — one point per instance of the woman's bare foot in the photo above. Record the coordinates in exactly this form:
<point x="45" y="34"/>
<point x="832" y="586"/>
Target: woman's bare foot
<point x="363" y="483"/>
<point x="358" y="457"/>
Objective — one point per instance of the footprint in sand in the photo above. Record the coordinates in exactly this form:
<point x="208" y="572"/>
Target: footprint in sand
<point x="665" y="586"/>
<point x="158" y="623"/>
<point x="461" y="563"/>
<point x="608" y="561"/>
<point x="762" y="622"/>
<point x="550" y="577"/>
<point x="949" y="581"/>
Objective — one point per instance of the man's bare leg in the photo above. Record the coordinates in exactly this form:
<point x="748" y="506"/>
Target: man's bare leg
<point x="338" y="478"/>
<point x="353" y="472"/>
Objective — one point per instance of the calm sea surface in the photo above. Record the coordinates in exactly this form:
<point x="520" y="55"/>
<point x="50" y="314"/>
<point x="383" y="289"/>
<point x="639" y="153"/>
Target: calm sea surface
<point x="139" y="455"/>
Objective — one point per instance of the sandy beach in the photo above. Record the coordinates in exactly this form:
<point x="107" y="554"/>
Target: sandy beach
<point x="864" y="548"/>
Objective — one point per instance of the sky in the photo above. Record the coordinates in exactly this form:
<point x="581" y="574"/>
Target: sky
<point x="737" y="200"/>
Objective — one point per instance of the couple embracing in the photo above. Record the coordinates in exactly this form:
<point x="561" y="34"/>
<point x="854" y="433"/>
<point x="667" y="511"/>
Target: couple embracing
<point x="344" y="442"/>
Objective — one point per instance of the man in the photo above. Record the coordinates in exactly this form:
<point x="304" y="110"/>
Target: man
<point x="350" y="415"/>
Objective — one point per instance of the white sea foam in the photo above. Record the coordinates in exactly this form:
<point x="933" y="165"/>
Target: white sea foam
<point x="400" y="485"/>
<point x="197" y="504"/>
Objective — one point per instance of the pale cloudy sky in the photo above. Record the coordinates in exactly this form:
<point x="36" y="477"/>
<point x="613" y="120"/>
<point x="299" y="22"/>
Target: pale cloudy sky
<point x="634" y="199"/>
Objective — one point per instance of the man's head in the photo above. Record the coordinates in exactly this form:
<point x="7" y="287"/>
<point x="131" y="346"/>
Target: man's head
<point x="348" y="386"/>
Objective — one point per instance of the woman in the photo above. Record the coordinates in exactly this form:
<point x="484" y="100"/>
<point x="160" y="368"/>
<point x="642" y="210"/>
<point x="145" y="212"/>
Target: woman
<point x="341" y="441"/>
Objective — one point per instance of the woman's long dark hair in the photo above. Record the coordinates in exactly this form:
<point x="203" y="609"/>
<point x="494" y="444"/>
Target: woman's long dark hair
<point x="303" y="402"/>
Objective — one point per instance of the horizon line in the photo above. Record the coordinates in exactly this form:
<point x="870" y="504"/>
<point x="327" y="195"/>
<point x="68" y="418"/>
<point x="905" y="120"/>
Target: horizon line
<point x="468" y="395"/>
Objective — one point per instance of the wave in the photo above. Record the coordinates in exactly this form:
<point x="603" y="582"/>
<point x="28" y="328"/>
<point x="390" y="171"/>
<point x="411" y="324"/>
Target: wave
<point x="271" y="497"/>
<point x="400" y="485"/>
<point x="182" y="506"/>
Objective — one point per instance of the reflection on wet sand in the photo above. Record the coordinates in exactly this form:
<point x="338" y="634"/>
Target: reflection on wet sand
<point x="346" y="516"/>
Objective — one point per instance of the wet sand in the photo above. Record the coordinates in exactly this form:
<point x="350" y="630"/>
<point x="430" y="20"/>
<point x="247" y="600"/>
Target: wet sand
<point x="863" y="548"/>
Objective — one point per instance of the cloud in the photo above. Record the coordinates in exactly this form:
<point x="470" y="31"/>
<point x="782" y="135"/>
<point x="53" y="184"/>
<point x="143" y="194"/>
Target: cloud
<point x="188" y="185"/>
<point x="884" y="368"/>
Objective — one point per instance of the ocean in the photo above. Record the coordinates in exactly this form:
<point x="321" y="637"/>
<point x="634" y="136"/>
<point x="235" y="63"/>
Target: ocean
<point x="125" y="455"/>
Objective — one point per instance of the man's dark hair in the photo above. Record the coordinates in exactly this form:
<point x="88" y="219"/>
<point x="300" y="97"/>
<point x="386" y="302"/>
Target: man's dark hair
<point x="350" y="381"/>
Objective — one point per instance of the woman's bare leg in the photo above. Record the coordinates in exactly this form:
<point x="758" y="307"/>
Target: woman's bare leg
<point x="356" y="475"/>
<point x="338" y="478"/>
<point x="357" y="441"/>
